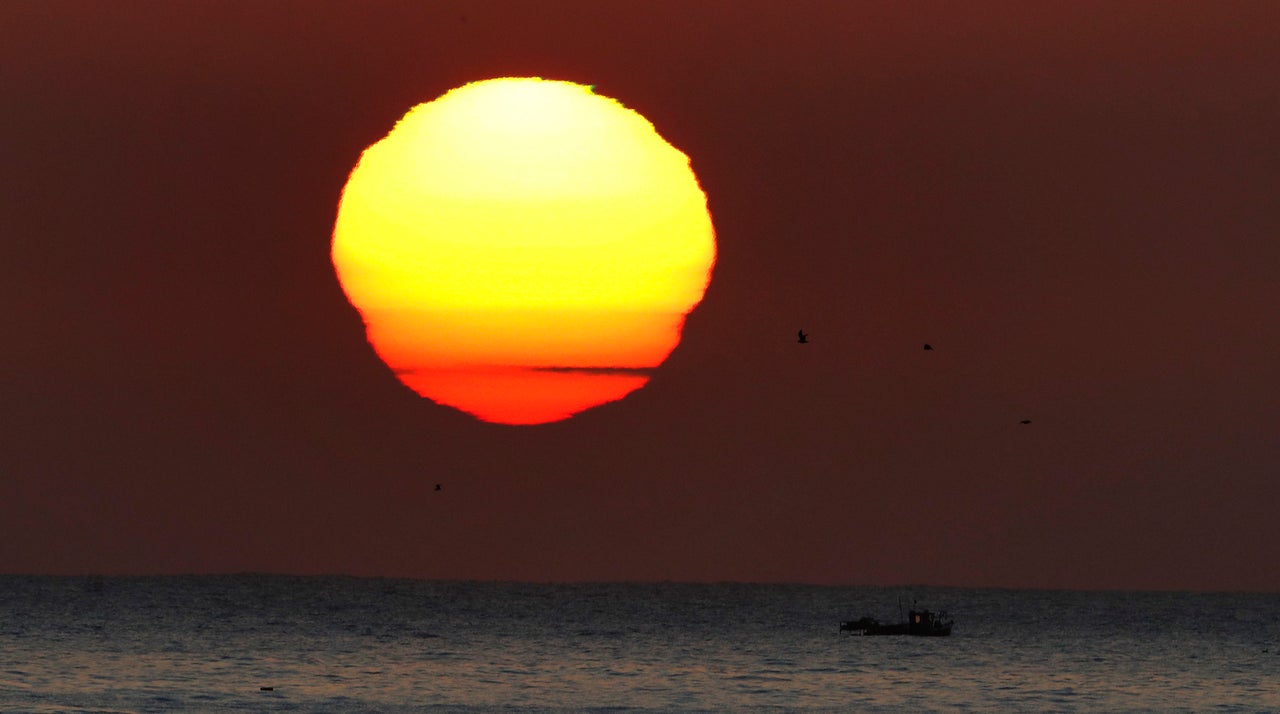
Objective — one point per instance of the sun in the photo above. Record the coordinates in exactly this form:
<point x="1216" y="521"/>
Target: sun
<point x="523" y="249"/>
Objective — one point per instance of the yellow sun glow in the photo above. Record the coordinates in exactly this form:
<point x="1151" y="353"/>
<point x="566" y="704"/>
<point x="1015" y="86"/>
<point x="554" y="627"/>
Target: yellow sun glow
<point x="523" y="249"/>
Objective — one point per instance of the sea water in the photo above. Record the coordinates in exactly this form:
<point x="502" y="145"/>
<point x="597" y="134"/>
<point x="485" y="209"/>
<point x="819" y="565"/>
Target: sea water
<point x="333" y="644"/>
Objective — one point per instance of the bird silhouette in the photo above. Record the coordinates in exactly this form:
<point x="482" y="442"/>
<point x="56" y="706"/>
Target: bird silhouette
<point x="1025" y="421"/>
<point x="437" y="487"/>
<point x="928" y="346"/>
<point x="803" y="338"/>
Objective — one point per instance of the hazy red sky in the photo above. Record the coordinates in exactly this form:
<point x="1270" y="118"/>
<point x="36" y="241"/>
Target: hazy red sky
<point x="1075" y="203"/>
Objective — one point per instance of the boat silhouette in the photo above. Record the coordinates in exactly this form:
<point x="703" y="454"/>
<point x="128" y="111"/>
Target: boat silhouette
<point x="920" y="623"/>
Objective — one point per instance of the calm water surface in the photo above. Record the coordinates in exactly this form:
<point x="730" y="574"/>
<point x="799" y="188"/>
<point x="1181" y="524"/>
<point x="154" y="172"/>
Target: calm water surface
<point x="347" y="644"/>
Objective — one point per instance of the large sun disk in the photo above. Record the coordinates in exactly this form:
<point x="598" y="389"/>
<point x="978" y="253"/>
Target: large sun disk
<point x="496" y="229"/>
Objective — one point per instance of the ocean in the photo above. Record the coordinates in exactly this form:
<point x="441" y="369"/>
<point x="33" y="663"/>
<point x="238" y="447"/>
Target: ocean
<point x="264" y="643"/>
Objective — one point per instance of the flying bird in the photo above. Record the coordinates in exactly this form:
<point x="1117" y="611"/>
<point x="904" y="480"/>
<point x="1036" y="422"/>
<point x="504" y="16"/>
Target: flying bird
<point x="928" y="346"/>
<point x="803" y="339"/>
<point x="437" y="487"/>
<point x="1025" y="421"/>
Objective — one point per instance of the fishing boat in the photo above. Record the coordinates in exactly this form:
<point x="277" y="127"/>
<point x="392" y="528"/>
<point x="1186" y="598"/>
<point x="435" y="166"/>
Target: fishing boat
<point x="921" y="623"/>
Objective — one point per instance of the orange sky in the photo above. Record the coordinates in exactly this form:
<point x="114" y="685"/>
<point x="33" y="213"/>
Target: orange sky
<point x="1073" y="202"/>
